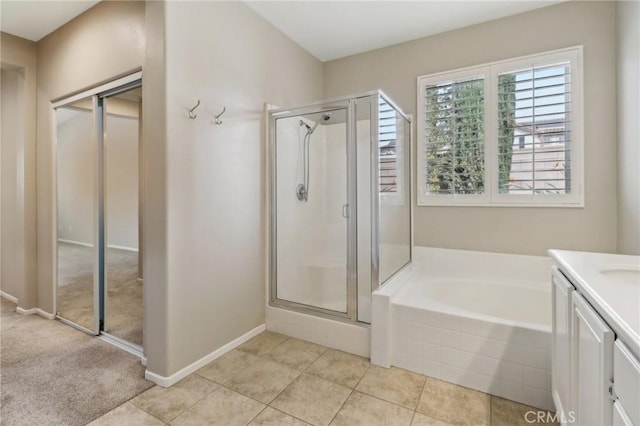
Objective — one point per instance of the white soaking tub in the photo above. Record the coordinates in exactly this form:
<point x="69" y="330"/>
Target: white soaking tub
<point x="480" y="320"/>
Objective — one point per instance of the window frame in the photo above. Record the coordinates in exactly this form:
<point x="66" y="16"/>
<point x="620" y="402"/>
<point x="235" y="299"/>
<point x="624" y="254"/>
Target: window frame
<point x="492" y="196"/>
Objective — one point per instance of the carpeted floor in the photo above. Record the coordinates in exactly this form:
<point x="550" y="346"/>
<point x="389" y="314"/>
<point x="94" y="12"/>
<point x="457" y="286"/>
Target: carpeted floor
<point x="52" y="374"/>
<point x="75" y="290"/>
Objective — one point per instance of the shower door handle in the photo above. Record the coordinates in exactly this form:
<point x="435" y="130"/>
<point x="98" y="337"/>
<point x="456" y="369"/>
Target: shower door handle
<point x="345" y="211"/>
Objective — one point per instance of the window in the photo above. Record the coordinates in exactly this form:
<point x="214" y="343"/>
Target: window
<point x="388" y="146"/>
<point x="505" y="133"/>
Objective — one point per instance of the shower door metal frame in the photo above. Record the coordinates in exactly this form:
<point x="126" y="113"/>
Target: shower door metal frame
<point x="375" y="187"/>
<point x="351" y="314"/>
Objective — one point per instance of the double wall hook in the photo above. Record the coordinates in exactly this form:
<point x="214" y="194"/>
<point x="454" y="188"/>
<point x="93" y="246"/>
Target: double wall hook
<point x="192" y="115"/>
<point x="217" y="117"/>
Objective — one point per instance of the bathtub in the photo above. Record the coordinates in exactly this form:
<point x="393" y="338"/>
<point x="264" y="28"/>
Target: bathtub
<point x="480" y="320"/>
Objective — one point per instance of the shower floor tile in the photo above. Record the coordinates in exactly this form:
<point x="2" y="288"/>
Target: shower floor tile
<point x="276" y="380"/>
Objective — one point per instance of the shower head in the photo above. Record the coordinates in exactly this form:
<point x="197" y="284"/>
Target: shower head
<point x="325" y="117"/>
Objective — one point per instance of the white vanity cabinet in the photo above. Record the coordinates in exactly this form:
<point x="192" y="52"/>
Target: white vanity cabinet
<point x="626" y="385"/>
<point x="592" y="365"/>
<point x="595" y="339"/>
<point x="561" y="345"/>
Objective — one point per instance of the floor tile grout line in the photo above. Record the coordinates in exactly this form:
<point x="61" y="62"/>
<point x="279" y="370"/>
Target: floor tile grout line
<point x="140" y="408"/>
<point x="190" y="406"/>
<point x="261" y="402"/>
<point x="490" y="409"/>
<point x="424" y="386"/>
<point x="384" y="400"/>
<point x="372" y="396"/>
<point x="317" y="358"/>
<point x="256" y="416"/>
<point x="285" y="413"/>
<point x="391" y="402"/>
<point x="342" y="406"/>
<point x="266" y="357"/>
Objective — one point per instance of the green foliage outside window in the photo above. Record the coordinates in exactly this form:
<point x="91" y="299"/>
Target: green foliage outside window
<point x="506" y="127"/>
<point x="455" y="138"/>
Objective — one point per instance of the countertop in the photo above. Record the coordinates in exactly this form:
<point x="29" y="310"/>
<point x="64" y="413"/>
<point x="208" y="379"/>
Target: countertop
<point x="610" y="285"/>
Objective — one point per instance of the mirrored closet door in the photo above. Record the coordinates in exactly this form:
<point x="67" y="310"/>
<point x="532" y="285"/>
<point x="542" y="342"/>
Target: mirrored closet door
<point x="99" y="268"/>
<point x="123" y="278"/>
<point x="77" y="164"/>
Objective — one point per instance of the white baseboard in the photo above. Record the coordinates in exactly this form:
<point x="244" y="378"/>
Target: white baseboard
<point x="176" y="377"/>
<point x="36" y="311"/>
<point x="23" y="311"/>
<point x="9" y="297"/>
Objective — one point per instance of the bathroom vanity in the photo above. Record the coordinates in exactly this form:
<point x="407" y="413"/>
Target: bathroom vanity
<point x="596" y="338"/>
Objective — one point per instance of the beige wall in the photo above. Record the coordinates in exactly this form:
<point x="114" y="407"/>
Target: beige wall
<point x="154" y="175"/>
<point x="11" y="272"/>
<point x="105" y="42"/>
<point x="628" y="79"/>
<point x="225" y="55"/>
<point x="18" y="57"/>
<point x="512" y="230"/>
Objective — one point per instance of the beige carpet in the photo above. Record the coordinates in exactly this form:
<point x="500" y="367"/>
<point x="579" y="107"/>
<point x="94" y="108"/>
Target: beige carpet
<point x="52" y="374"/>
<point x="75" y="290"/>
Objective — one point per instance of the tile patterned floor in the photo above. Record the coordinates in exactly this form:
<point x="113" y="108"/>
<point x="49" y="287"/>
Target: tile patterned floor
<point x="276" y="380"/>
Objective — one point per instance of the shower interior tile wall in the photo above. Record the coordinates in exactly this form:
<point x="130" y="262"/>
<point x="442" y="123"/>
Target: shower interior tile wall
<point x="503" y="360"/>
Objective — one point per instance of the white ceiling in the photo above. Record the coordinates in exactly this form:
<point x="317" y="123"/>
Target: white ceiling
<point x="35" y="19"/>
<point x="328" y="29"/>
<point x="334" y="29"/>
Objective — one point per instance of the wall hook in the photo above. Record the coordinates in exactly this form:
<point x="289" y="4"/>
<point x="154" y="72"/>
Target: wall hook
<point x="217" y="117"/>
<point x="192" y="115"/>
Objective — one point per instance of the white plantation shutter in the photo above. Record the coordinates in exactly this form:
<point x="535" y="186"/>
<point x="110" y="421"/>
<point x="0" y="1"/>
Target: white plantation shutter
<point x="388" y="148"/>
<point x="534" y="130"/>
<point x="454" y="137"/>
<point x="507" y="133"/>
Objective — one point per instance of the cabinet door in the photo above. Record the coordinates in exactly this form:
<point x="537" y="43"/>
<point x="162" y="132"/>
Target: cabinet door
<point x="561" y="343"/>
<point x="592" y="354"/>
<point x="620" y="417"/>
<point x="626" y="381"/>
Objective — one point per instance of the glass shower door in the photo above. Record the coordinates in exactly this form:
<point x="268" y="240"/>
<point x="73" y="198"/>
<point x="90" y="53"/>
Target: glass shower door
<point x="312" y="215"/>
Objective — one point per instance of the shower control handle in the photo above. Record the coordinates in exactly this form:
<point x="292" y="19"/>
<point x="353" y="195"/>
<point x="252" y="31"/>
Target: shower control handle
<point x="345" y="211"/>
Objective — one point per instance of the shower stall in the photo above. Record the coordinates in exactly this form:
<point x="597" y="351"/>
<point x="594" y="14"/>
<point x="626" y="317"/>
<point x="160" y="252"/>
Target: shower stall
<point x="340" y="204"/>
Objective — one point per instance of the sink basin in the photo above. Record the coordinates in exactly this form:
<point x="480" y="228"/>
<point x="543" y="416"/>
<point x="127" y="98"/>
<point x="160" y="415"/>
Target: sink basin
<point x="627" y="274"/>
